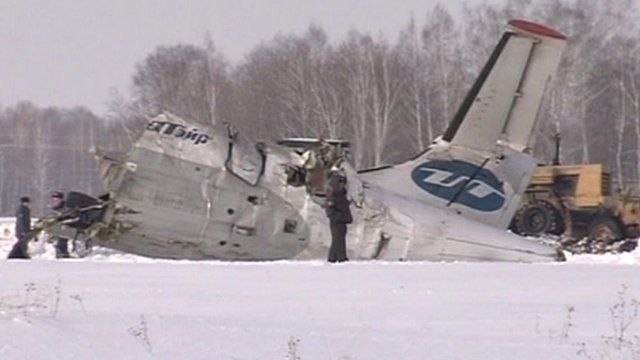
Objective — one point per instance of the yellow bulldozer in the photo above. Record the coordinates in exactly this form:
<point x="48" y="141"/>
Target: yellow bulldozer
<point x="577" y="201"/>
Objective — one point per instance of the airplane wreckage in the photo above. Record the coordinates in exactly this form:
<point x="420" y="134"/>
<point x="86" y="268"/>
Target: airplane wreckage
<point x="185" y="191"/>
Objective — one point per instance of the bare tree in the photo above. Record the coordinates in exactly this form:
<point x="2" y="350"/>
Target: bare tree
<point x="416" y="103"/>
<point x="441" y="41"/>
<point x="356" y="53"/>
<point x="183" y="79"/>
<point x="385" y="97"/>
<point x="211" y="75"/>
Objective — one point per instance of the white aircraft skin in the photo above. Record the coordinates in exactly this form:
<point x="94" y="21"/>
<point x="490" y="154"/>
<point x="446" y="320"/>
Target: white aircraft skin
<point x="189" y="192"/>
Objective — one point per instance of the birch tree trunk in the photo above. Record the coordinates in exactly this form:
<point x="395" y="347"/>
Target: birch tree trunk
<point x="620" y="124"/>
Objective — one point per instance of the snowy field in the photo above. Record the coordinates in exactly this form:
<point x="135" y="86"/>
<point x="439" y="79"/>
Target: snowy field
<point x="118" y="306"/>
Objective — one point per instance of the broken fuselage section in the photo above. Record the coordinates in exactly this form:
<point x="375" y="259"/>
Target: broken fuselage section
<point x="187" y="192"/>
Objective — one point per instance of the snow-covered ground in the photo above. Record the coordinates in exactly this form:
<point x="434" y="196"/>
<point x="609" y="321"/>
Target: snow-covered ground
<point x="119" y="306"/>
<point x="6" y="228"/>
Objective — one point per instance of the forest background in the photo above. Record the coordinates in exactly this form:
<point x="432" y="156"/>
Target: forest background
<point x="389" y="97"/>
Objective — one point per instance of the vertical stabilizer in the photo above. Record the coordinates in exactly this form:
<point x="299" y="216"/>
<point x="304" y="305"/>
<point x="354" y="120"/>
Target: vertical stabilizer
<point x="479" y="167"/>
<point x="504" y="101"/>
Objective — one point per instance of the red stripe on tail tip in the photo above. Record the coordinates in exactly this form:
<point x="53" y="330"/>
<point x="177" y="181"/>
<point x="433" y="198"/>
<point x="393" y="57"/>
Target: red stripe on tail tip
<point x="536" y="29"/>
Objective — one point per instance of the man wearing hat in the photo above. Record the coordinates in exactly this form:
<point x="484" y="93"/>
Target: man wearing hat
<point x="62" y="244"/>
<point x="23" y="226"/>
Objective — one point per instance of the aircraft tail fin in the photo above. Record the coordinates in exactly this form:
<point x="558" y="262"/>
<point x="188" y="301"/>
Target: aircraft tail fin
<point x="504" y="101"/>
<point x="480" y="167"/>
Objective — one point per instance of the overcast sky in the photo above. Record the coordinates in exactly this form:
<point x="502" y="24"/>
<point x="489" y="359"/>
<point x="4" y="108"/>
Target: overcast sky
<point x="72" y="52"/>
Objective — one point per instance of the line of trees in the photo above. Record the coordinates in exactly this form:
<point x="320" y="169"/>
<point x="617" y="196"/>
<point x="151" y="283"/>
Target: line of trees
<point x="390" y="98"/>
<point x="46" y="150"/>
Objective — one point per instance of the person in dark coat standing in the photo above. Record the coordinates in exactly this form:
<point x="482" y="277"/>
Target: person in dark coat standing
<point x="23" y="226"/>
<point x="339" y="215"/>
<point x="62" y="244"/>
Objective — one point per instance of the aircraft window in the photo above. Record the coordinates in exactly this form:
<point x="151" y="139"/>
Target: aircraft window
<point x="290" y="226"/>
<point x="245" y="160"/>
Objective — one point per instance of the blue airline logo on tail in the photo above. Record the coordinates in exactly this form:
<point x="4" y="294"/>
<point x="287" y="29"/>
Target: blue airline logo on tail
<point x="462" y="183"/>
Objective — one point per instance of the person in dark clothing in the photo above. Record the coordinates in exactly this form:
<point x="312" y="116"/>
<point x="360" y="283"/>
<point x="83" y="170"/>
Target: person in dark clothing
<point x="23" y="226"/>
<point x="62" y="244"/>
<point x="339" y="215"/>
